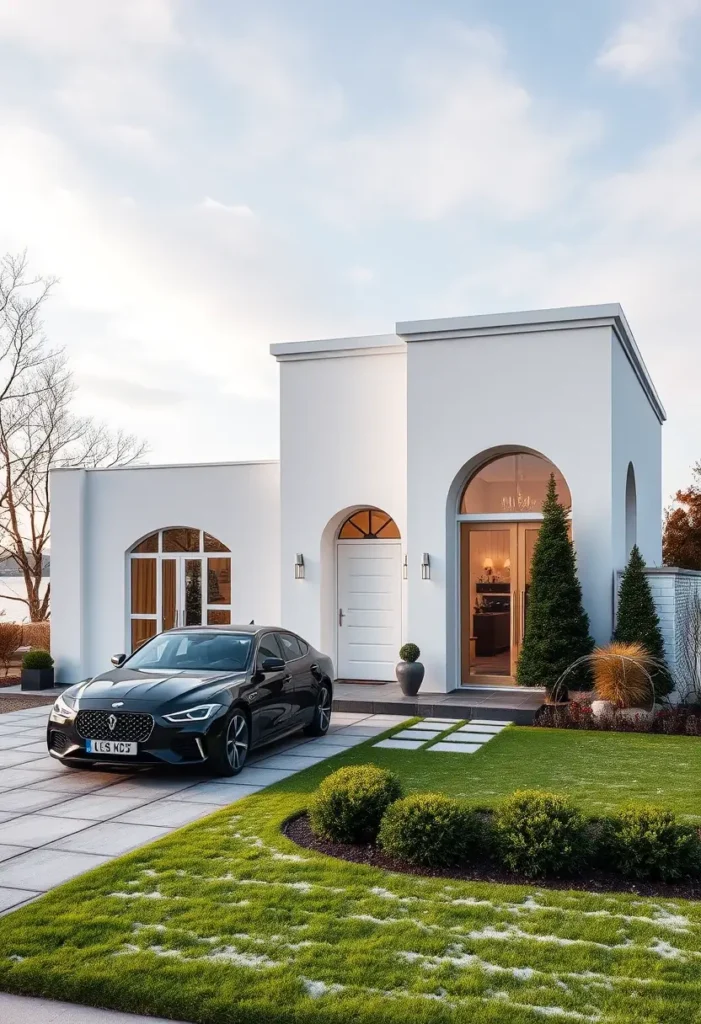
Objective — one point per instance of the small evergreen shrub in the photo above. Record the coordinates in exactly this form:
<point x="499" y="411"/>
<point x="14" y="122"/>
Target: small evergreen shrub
<point x="409" y="652"/>
<point x="537" y="833"/>
<point x="430" y="829"/>
<point x="648" y="842"/>
<point x="349" y="804"/>
<point x="37" y="659"/>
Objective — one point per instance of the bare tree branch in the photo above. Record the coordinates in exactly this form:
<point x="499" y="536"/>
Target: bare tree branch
<point x="38" y="430"/>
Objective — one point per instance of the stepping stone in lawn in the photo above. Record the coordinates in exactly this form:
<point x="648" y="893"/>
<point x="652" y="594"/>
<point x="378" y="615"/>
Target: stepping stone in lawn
<point x="461" y="737"/>
<point x="419" y="734"/>
<point x="400" y="744"/>
<point x="456" y="748"/>
<point x="491" y="730"/>
<point x="438" y="721"/>
<point x="487" y="721"/>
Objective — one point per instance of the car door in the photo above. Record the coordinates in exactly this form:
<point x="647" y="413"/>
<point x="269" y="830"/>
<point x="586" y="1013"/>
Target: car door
<point x="299" y="662"/>
<point x="271" y="704"/>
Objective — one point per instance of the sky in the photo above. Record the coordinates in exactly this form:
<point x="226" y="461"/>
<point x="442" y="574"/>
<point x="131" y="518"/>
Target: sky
<point x="206" y="177"/>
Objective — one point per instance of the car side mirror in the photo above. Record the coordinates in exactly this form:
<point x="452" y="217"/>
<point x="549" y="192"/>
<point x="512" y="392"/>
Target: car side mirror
<point x="118" y="660"/>
<point x="272" y="665"/>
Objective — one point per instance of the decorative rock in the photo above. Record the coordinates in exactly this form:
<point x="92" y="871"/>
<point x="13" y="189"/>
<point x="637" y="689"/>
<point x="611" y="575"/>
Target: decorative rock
<point x="602" y="709"/>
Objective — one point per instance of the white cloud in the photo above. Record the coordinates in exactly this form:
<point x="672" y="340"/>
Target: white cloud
<point x="236" y="209"/>
<point x="652" y="42"/>
<point x="470" y="135"/>
<point x="86" y="26"/>
<point x="360" y="275"/>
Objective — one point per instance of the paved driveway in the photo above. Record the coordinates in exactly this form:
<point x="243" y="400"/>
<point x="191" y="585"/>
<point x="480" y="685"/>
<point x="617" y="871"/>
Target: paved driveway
<point x="56" y="823"/>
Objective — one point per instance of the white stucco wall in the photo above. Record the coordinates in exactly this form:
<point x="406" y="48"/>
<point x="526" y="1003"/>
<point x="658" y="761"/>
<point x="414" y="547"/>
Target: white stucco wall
<point x="637" y="439"/>
<point x="342" y="446"/>
<point x="548" y="391"/>
<point x="98" y="515"/>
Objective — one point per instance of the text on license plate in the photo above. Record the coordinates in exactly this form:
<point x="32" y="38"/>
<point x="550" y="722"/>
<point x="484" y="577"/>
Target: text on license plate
<point x="110" y="747"/>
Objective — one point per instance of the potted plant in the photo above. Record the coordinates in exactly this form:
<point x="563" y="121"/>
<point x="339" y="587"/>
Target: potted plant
<point x="410" y="671"/>
<point x="37" y="671"/>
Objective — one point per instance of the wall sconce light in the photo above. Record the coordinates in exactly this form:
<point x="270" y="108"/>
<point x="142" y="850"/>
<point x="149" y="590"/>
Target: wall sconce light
<point x="425" y="566"/>
<point x="405" y="568"/>
<point x="299" y="567"/>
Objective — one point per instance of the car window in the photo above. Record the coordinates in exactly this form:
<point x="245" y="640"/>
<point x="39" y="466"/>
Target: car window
<point x="267" y="648"/>
<point x="205" y="652"/>
<point x="290" y="646"/>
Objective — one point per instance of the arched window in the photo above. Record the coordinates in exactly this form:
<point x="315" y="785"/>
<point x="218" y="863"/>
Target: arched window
<point x="512" y="483"/>
<point x="369" y="524"/>
<point x="631" y="510"/>
<point x="178" y="576"/>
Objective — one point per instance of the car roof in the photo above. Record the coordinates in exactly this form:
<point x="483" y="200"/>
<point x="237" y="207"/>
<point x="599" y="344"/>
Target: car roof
<point x="249" y="627"/>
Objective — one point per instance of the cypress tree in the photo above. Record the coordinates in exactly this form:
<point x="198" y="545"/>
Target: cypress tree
<point x="638" y="622"/>
<point x="557" y="626"/>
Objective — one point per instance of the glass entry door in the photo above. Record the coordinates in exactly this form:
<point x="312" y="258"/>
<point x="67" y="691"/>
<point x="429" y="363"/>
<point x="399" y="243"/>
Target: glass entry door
<point x="495" y="563"/>
<point x="170" y="590"/>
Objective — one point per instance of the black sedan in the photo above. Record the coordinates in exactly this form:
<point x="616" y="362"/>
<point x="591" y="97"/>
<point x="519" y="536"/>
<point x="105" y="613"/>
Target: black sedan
<point x="200" y="696"/>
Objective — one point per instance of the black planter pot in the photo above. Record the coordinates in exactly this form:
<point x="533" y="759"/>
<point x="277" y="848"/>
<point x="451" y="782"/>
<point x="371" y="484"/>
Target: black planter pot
<point x="37" y="678"/>
<point x="410" y="675"/>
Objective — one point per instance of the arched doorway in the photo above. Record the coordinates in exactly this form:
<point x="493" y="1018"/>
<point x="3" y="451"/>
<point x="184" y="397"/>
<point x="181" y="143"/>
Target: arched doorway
<point x="369" y="595"/>
<point x="499" y="516"/>
<point x="178" y="576"/>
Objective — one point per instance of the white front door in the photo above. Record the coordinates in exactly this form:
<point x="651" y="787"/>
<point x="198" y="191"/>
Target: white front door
<point x="369" y="608"/>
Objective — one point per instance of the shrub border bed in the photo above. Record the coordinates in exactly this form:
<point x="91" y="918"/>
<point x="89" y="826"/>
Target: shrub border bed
<point x="298" y="829"/>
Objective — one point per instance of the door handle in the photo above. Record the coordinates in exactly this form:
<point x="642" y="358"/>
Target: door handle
<point x="287" y="678"/>
<point x="514" y="617"/>
<point x="341" y="613"/>
<point x="522" y="610"/>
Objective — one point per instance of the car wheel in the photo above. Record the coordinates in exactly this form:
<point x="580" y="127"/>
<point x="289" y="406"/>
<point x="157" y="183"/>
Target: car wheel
<point x="232" y="751"/>
<point x="321" y="721"/>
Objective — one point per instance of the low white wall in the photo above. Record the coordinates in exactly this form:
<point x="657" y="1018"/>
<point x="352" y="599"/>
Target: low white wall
<point x="98" y="515"/>
<point x="674" y="591"/>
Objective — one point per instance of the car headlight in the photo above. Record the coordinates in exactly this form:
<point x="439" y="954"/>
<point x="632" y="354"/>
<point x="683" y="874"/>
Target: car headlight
<point x="63" y="709"/>
<point x="197" y="714"/>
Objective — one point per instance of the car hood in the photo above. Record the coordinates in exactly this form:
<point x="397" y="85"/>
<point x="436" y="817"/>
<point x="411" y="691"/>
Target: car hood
<point x="154" y="688"/>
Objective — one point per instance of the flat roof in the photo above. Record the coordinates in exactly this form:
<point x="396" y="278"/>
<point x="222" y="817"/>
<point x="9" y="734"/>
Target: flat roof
<point x="605" y="314"/>
<point x="295" y="349"/>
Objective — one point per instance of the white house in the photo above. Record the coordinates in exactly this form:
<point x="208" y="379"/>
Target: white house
<point x="404" y="506"/>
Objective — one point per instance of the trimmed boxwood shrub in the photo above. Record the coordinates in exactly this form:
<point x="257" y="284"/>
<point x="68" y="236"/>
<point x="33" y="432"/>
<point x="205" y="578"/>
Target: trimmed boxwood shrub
<point x="649" y="842"/>
<point x="537" y="833"/>
<point x="37" y="659"/>
<point x="349" y="804"/>
<point x="430" y="829"/>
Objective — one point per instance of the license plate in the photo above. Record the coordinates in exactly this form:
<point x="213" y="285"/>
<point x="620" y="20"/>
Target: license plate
<point x="110" y="747"/>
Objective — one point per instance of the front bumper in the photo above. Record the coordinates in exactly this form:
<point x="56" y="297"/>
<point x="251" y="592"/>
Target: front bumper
<point x="185" y="743"/>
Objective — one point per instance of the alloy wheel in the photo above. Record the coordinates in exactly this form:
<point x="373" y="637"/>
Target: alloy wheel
<point x="237" y="741"/>
<point x="324" y="708"/>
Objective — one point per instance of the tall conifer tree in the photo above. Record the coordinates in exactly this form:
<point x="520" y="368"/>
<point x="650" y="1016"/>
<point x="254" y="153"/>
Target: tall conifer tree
<point x="557" y="626"/>
<point x="638" y="622"/>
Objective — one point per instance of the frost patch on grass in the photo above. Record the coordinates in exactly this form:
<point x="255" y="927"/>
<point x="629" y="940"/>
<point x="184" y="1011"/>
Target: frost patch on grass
<point x="660" y="916"/>
<point x="295" y="857"/>
<point x="374" y="920"/>
<point x="316" y="989"/>
<point x="155" y="895"/>
<point x="233" y="956"/>
<point x="666" y="951"/>
<point x="514" y="934"/>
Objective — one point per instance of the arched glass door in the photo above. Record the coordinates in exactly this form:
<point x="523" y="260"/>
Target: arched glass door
<point x="177" y="577"/>
<point x="499" y="519"/>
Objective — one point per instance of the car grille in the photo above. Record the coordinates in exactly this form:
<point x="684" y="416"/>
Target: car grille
<point x="133" y="726"/>
<point x="59" y="741"/>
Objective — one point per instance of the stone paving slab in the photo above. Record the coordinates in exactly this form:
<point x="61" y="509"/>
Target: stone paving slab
<point x="26" y="1010"/>
<point x="400" y="744"/>
<point x="46" y="868"/>
<point x="10" y="898"/>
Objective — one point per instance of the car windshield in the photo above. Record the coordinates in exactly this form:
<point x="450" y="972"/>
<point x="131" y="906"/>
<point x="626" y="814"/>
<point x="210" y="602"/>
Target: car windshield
<point x="202" y="652"/>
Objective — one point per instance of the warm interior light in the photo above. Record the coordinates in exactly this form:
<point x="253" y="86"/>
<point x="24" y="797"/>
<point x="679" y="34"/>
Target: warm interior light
<point x="488" y="563"/>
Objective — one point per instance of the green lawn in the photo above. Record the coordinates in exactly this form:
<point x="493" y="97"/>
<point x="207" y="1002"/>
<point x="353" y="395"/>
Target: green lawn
<point x="227" y="921"/>
<point x="599" y="770"/>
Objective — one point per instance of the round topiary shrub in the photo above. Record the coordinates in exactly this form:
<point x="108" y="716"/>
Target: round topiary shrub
<point x="409" y="652"/>
<point x="430" y="829"/>
<point x="538" y="833"/>
<point x="349" y="804"/>
<point x="648" y="842"/>
<point x="37" y="659"/>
